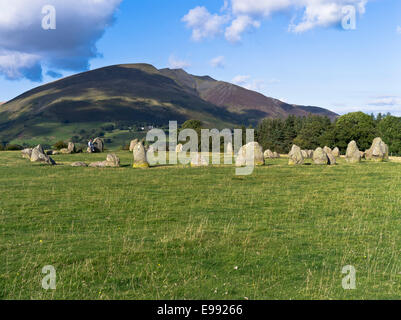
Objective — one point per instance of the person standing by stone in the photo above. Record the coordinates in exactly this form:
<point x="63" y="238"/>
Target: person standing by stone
<point x="91" y="147"/>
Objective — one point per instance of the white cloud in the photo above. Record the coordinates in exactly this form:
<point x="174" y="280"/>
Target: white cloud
<point x="175" y="63"/>
<point x="203" y="23"/>
<point x="238" y="26"/>
<point x="247" y="82"/>
<point x="398" y="29"/>
<point x="240" y="80"/>
<point x="217" y="62"/>
<point x="26" y="47"/>
<point x="385" y="101"/>
<point x="15" y="65"/>
<point x="382" y="104"/>
<point x="246" y="14"/>
<point x="259" y="7"/>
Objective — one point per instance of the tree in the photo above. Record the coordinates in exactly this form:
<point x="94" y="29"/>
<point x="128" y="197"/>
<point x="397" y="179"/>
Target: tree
<point x="196" y="125"/>
<point x="356" y="126"/>
<point x="271" y="135"/>
<point x="389" y="129"/>
<point x="316" y="132"/>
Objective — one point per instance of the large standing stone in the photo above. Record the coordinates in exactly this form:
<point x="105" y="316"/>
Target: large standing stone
<point x="330" y="156"/>
<point x="71" y="147"/>
<point x="244" y="159"/>
<point x="133" y="144"/>
<point x="336" y="152"/>
<point x="295" y="156"/>
<point x="197" y="160"/>
<point x="378" y="151"/>
<point x="38" y="155"/>
<point x="98" y="145"/>
<point x="305" y="154"/>
<point x="268" y="154"/>
<point x="353" y="155"/>
<point x="26" y="153"/>
<point x="140" y="159"/>
<point x="320" y="157"/>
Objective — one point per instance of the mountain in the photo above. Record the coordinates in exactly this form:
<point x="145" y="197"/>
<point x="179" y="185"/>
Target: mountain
<point x="139" y="93"/>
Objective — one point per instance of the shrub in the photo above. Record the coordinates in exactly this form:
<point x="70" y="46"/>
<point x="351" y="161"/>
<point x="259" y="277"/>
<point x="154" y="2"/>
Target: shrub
<point x="60" y="145"/>
<point x="13" y="147"/>
<point x="107" y="127"/>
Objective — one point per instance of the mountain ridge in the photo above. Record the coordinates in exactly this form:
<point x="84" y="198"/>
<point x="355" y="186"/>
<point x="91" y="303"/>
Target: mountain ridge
<point x="141" y="93"/>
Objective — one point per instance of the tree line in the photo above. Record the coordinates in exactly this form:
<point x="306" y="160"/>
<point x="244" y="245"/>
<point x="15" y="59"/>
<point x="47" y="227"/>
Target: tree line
<point x="317" y="131"/>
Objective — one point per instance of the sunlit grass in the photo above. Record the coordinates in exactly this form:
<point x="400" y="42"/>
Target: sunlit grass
<point x="176" y="232"/>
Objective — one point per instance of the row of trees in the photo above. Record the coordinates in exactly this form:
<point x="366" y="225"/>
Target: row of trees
<point x="314" y="131"/>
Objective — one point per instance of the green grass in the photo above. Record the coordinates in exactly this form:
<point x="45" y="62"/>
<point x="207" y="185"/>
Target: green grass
<point x="199" y="233"/>
<point x="49" y="132"/>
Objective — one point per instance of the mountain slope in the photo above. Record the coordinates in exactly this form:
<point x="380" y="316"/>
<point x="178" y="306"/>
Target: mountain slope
<point x="140" y="93"/>
<point x="253" y="106"/>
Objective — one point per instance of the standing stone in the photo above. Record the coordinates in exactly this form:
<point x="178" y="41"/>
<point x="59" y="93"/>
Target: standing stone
<point x="178" y="148"/>
<point x="295" y="156"/>
<point x="140" y="160"/>
<point x="353" y="155"/>
<point x="98" y="144"/>
<point x="197" y="160"/>
<point x="378" y="151"/>
<point x="336" y="152"/>
<point x="230" y="149"/>
<point x="244" y="159"/>
<point x="327" y="149"/>
<point x="305" y="154"/>
<point x="71" y="147"/>
<point x="99" y="164"/>
<point x="26" y="153"/>
<point x="133" y="144"/>
<point x="330" y="156"/>
<point x="320" y="157"/>
<point x="38" y="155"/>
<point x="112" y="160"/>
<point x="276" y="155"/>
<point x="268" y="154"/>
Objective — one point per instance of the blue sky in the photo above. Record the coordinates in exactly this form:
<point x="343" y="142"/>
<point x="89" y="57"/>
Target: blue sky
<point x="269" y="46"/>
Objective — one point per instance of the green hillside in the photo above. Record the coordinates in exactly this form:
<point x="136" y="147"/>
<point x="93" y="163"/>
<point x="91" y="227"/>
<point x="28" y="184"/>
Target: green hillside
<point x="133" y="95"/>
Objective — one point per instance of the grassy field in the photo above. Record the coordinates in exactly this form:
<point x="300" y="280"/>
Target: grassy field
<point x="49" y="132"/>
<point x="199" y="233"/>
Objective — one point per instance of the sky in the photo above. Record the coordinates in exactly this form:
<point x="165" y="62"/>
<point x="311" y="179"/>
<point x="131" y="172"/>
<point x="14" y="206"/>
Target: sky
<point x="343" y="55"/>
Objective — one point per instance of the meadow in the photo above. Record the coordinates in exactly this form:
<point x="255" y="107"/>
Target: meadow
<point x="176" y="232"/>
